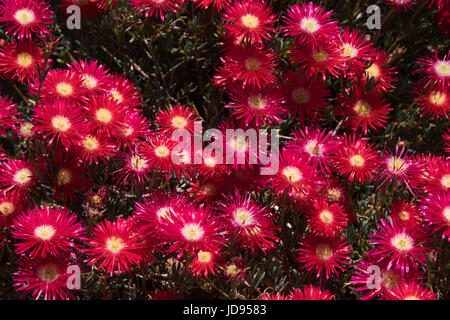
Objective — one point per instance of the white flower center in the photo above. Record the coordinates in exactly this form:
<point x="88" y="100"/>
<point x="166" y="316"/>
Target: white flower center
<point x="44" y="232"/>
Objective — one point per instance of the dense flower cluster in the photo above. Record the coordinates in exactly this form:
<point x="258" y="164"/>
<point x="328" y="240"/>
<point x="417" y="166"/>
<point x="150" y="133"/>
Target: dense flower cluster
<point x="88" y="147"/>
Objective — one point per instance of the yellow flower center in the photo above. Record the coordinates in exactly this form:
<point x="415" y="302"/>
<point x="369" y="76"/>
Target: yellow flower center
<point x="334" y="194"/>
<point x="24" y="59"/>
<point x="114" y="244"/>
<point x="389" y="279"/>
<point x="24" y="16"/>
<point x="104" y="115"/>
<point x="89" y="81"/>
<point x="320" y="55"/>
<point x="204" y="256"/>
<point x="403" y="215"/>
<point x="179" y="122"/>
<point x="192" y="232"/>
<point x="61" y="123"/>
<point x="437" y="98"/>
<point x="6" y="208"/>
<point x="326" y="216"/>
<point x="442" y="68"/>
<point x="23" y="176"/>
<point x="373" y="71"/>
<point x="349" y="50"/>
<point x="48" y="273"/>
<point x="64" y="89"/>
<point x="301" y="95"/>
<point x="313" y="148"/>
<point x="293" y="174"/>
<point x="117" y="96"/>
<point x="210" y="162"/>
<point x="138" y="163"/>
<point x="232" y="270"/>
<point x="357" y="161"/>
<point x="310" y="25"/>
<point x="397" y="165"/>
<point x="252" y="64"/>
<point x="26" y="129"/>
<point x="250" y="21"/>
<point x="324" y="251"/>
<point x="402" y="242"/>
<point x="243" y="217"/>
<point x="362" y="108"/>
<point x="44" y="232"/>
<point x="163" y="213"/>
<point x="257" y="102"/>
<point x="411" y="298"/>
<point x="162" y="151"/>
<point x="446" y="213"/>
<point x="64" y="176"/>
<point x="90" y="143"/>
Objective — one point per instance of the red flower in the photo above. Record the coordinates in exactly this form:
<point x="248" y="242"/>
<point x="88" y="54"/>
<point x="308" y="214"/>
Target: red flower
<point x="60" y="84"/>
<point x="135" y="169"/>
<point x="435" y="209"/>
<point x="59" y="121"/>
<point x="17" y="176"/>
<point x="435" y="102"/>
<point x="8" y="114"/>
<point x="405" y="214"/>
<point x="106" y="115"/>
<point x="155" y="8"/>
<point x="134" y="128"/>
<point x="21" y="60"/>
<point x="401" y="4"/>
<point x="44" y="278"/>
<point x="248" y="222"/>
<point x="94" y="147"/>
<point x="88" y="8"/>
<point x="310" y="23"/>
<point x="327" y="220"/>
<point x="10" y="205"/>
<point x="25" y="17"/>
<point x="401" y="248"/>
<point x="273" y="296"/>
<point x="205" y="263"/>
<point x="217" y="4"/>
<point x="176" y="117"/>
<point x="310" y="292"/>
<point x="44" y="230"/>
<point x="115" y="246"/>
<point x="157" y="149"/>
<point x="411" y="291"/>
<point x="380" y="72"/>
<point x="368" y="110"/>
<point x="325" y="256"/>
<point x="437" y="71"/>
<point x="94" y="75"/>
<point x="123" y="91"/>
<point x="249" y="19"/>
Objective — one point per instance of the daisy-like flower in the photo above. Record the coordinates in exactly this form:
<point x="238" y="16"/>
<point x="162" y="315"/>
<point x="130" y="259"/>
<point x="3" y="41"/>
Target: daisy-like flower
<point x="106" y="115"/>
<point x="401" y="4"/>
<point x="115" y="246"/>
<point x="8" y="114"/>
<point x="25" y="17"/>
<point x="235" y="269"/>
<point x="44" y="230"/>
<point x="205" y="263"/>
<point x="20" y="60"/>
<point x="356" y="159"/>
<point x="93" y="74"/>
<point x="10" y="205"/>
<point x="251" y="64"/>
<point x="435" y="209"/>
<point x="17" y="176"/>
<point x="398" y="167"/>
<point x="94" y="147"/>
<point x="134" y="128"/>
<point x="436" y="176"/>
<point x="59" y="121"/>
<point x="60" y="84"/>
<point x="322" y="59"/>
<point x="257" y="106"/>
<point x="305" y="97"/>
<point x="381" y="72"/>
<point x="326" y="220"/>
<point x="211" y="166"/>
<point x="405" y="214"/>
<point x="375" y="280"/>
<point x="157" y="149"/>
<point x="88" y="8"/>
<point x="356" y="52"/>
<point x="295" y="174"/>
<point x="316" y="144"/>
<point x="273" y="296"/>
<point x="43" y="278"/>
<point x="324" y="256"/>
<point x="135" y="169"/>
<point x="310" y="23"/>
<point x="310" y="292"/>
<point x="250" y="19"/>
<point x="436" y="71"/>
<point x="176" y="117"/>
<point x="435" y="102"/>
<point x="123" y="91"/>
<point x="26" y="130"/>
<point x="412" y="290"/>
<point x="192" y="229"/>
<point x="205" y="190"/>
<point x="155" y="7"/>
<point x="249" y="222"/>
<point x="401" y="248"/>
<point x="366" y="110"/>
<point x="217" y="4"/>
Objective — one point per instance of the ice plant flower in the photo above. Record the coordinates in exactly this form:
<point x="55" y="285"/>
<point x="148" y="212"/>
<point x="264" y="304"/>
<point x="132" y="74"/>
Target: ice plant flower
<point x="123" y="91"/>
<point x="434" y="102"/>
<point x="248" y="222"/>
<point x="21" y="60"/>
<point x="135" y="169"/>
<point x="43" y="230"/>
<point x="249" y="19"/>
<point x="94" y="147"/>
<point x="401" y="4"/>
<point x="310" y="23"/>
<point x="435" y="209"/>
<point x="10" y="205"/>
<point x="205" y="263"/>
<point x="60" y="84"/>
<point x="401" y="248"/>
<point x="25" y="17"/>
<point x="176" y="117"/>
<point x="310" y="292"/>
<point x="8" y="114"/>
<point x="323" y="256"/>
<point x="155" y="8"/>
<point x="17" y="176"/>
<point x="93" y="74"/>
<point x="327" y="220"/>
<point x="106" y="115"/>
<point x="405" y="214"/>
<point x="379" y="70"/>
<point x="436" y="71"/>
<point x="43" y="278"/>
<point x="115" y="246"/>
<point x="412" y="290"/>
